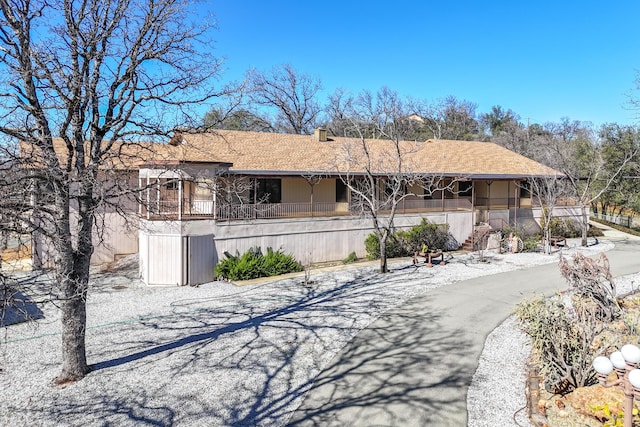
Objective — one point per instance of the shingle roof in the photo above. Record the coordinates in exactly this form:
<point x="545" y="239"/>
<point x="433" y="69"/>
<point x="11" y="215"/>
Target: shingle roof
<point x="287" y="154"/>
<point x="272" y="153"/>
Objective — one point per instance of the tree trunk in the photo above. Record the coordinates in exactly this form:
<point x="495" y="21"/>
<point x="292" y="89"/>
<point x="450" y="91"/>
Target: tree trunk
<point x="72" y="270"/>
<point x="383" y="255"/>
<point x="74" y="320"/>
<point x="547" y="238"/>
<point x="585" y="225"/>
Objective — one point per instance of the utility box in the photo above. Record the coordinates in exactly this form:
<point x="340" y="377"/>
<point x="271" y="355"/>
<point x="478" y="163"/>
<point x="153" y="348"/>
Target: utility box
<point x="175" y="260"/>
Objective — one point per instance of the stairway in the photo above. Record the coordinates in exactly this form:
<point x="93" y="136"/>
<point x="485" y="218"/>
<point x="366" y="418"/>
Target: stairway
<point x="473" y="241"/>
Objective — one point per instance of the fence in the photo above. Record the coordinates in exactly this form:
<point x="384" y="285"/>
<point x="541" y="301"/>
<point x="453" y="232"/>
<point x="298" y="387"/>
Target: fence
<point x="628" y="221"/>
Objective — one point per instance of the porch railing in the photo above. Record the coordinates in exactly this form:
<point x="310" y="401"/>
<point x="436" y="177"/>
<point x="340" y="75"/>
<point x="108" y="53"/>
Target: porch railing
<point x="280" y="210"/>
<point x="193" y="208"/>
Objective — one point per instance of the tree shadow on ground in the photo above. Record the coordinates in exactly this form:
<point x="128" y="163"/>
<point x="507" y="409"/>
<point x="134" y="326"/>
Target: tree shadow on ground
<point x="17" y="308"/>
<point x="403" y="370"/>
<point x="250" y="359"/>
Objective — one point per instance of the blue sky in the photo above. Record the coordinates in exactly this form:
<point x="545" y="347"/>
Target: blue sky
<point x="544" y="60"/>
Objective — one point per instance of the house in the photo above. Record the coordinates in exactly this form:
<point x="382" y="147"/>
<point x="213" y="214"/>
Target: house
<point x="206" y="194"/>
<point x="202" y="195"/>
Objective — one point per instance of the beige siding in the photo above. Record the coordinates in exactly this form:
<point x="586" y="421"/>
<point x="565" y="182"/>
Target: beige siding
<point x="298" y="190"/>
<point x="295" y="190"/>
<point x="500" y="190"/>
<point x="481" y="188"/>
<point x="325" y="191"/>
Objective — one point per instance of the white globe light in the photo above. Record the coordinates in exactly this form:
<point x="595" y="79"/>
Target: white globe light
<point x="602" y="365"/>
<point x="631" y="353"/>
<point x="634" y="378"/>
<point x="618" y="360"/>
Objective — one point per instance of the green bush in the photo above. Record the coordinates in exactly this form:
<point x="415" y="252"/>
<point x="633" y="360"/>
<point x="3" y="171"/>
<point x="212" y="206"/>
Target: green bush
<point x="565" y="227"/>
<point x="352" y="257"/>
<point x="594" y="231"/>
<point x="571" y="228"/>
<point x="433" y="235"/>
<point x="253" y="264"/>
<point x="396" y="246"/>
<point x="405" y="243"/>
<point x="531" y="243"/>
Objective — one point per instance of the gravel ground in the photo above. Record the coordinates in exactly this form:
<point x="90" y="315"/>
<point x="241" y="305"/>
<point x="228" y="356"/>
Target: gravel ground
<point x="219" y="354"/>
<point x="496" y="396"/>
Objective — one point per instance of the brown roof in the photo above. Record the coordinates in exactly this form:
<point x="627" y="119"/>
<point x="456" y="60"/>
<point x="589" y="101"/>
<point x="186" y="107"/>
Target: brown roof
<point x="287" y="154"/>
<point x="272" y="153"/>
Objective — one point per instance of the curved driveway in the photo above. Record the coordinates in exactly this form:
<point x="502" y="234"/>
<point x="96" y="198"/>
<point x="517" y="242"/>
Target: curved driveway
<point x="414" y="364"/>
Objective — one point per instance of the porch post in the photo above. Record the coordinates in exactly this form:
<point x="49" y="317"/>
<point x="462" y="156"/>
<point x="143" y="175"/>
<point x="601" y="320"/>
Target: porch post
<point x="255" y="197"/>
<point x="215" y="198"/>
<point x="442" y="199"/>
<point x="140" y="202"/>
<point x="473" y="214"/>
<point x="148" y="198"/>
<point x="516" y="203"/>
<point x="348" y="199"/>
<point x="180" y="198"/>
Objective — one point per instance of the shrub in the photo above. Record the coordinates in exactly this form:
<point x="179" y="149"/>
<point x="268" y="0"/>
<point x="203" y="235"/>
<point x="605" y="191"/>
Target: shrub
<point x="563" y="331"/>
<point x="396" y="246"/>
<point x="570" y="228"/>
<point x="531" y="243"/>
<point x="591" y="280"/>
<point x="434" y="236"/>
<point x="562" y="343"/>
<point x="253" y="264"/>
<point x="594" y="231"/>
<point x="405" y="243"/>
<point x="352" y="257"/>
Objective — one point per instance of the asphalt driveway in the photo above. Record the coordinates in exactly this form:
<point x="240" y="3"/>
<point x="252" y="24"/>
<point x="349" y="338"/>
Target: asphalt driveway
<point x="413" y="365"/>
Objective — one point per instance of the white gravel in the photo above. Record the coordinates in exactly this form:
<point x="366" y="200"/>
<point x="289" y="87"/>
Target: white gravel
<point x="496" y="395"/>
<point x="218" y="354"/>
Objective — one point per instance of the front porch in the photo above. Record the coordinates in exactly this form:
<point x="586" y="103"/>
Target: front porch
<point x="193" y="209"/>
<point x="208" y="191"/>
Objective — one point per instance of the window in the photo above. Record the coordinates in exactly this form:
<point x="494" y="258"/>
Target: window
<point x="269" y="190"/>
<point x="341" y="191"/>
<point x="465" y="188"/>
<point x="525" y="189"/>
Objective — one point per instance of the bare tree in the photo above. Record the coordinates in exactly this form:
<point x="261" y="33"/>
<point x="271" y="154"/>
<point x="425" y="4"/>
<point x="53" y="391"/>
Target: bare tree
<point x="290" y="94"/>
<point x="572" y="148"/>
<point x="96" y="75"/>
<point x="234" y="112"/>
<point x="338" y="124"/>
<point x="378" y="172"/>
<point x="238" y="119"/>
<point x="548" y="191"/>
<point x="452" y="119"/>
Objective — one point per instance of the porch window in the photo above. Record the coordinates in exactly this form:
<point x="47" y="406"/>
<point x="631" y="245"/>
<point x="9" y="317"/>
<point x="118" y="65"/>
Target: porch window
<point x="465" y="188"/>
<point x="525" y="189"/>
<point x="269" y="190"/>
<point x="341" y="191"/>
